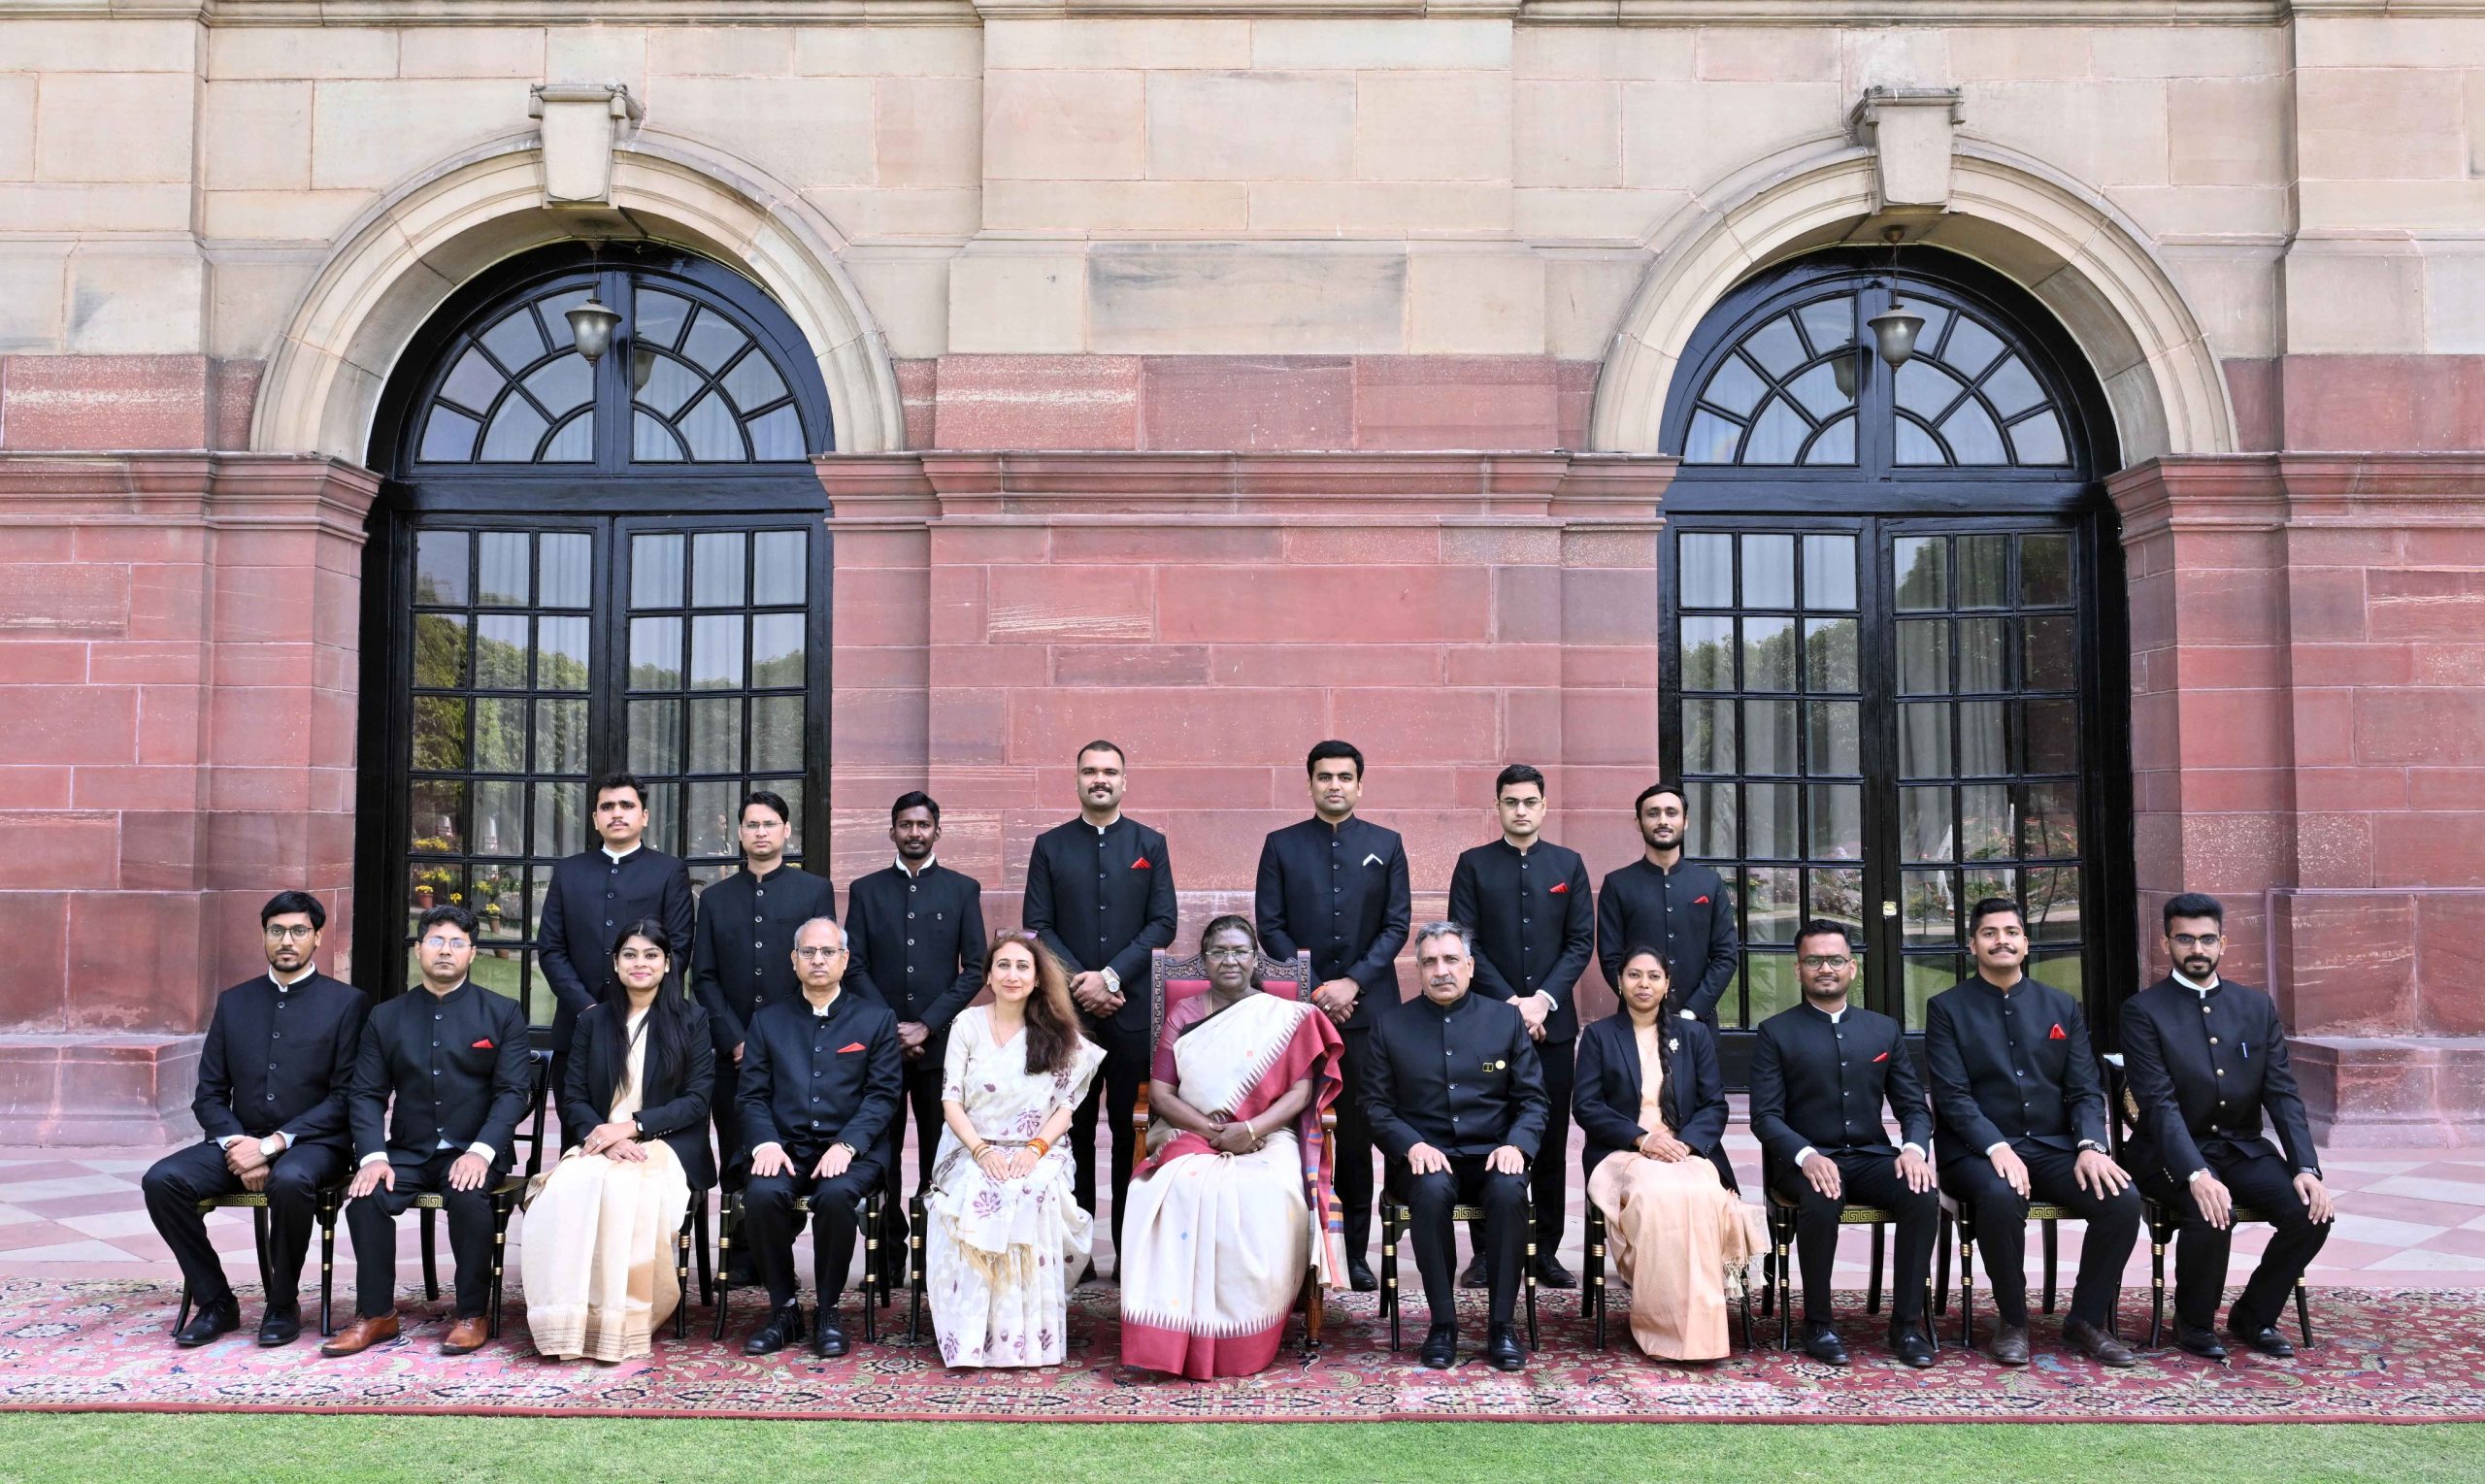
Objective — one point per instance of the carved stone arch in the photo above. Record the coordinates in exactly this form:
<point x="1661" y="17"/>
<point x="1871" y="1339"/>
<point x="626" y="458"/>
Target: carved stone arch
<point x="2066" y="243"/>
<point x="406" y="255"/>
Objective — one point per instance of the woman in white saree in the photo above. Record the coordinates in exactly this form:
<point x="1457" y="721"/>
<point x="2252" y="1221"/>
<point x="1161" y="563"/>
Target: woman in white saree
<point x="1004" y="1235"/>
<point x="1228" y="1215"/>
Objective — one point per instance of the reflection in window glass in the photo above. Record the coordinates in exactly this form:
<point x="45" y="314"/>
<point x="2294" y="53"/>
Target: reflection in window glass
<point x="1708" y="573"/>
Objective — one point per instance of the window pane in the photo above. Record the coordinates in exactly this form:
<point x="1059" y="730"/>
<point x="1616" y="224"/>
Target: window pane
<point x="655" y="654"/>
<point x="1708" y="654"/>
<point x="2049" y="822"/>
<point x="1924" y="740"/>
<point x="448" y="436"/>
<point x="656" y="737"/>
<point x="1973" y="435"/>
<point x="650" y="443"/>
<point x="1833" y="444"/>
<point x="2052" y="654"/>
<point x="2038" y="440"/>
<point x="560" y="653"/>
<point x="1769" y="654"/>
<point x="1709" y="737"/>
<point x="1924" y="656"/>
<point x="440" y="734"/>
<point x="791" y="791"/>
<point x="1707" y="570"/>
<point x="1829" y="654"/>
<point x="500" y="735"/>
<point x="500" y="818"/>
<point x="1778" y="435"/>
<point x="440" y="567"/>
<point x="563" y="385"/>
<point x="715" y="653"/>
<point x="1972" y="348"/>
<point x="560" y="737"/>
<point x="661" y="317"/>
<point x="1835" y="826"/>
<point x="1773" y="827"/>
<point x="438" y="817"/>
<point x="1770" y="985"/>
<point x="500" y="652"/>
<point x="1819" y="392"/>
<point x="1769" y="737"/>
<point x="1982" y="748"/>
<point x="1776" y="346"/>
<point x="712" y="432"/>
<point x="440" y="650"/>
<point x="1837" y="737"/>
<point x="472" y="382"/>
<point x="2053" y="904"/>
<point x="555" y="309"/>
<point x="1924" y="824"/>
<point x="779" y="567"/>
<point x="1712" y="440"/>
<point x="713" y="340"/>
<point x="777" y="734"/>
<point x="2044" y="570"/>
<point x="1985" y="830"/>
<point x="1768" y="572"/>
<point x="655" y="570"/>
<point x="1983" y="650"/>
<point x="2013" y="388"/>
<point x="1829" y="572"/>
<point x="435" y="884"/>
<point x="514" y="341"/>
<point x="1929" y="909"/>
<point x="1773" y="909"/>
<point x="715" y="570"/>
<point x="777" y="435"/>
<point x="670" y="385"/>
<point x="1985" y="570"/>
<point x="1713" y="821"/>
<point x="1927" y="975"/>
<point x="503" y="579"/>
<point x="1829" y="322"/>
<point x="2062" y="971"/>
<point x="715" y="736"/>
<point x="1838" y="894"/>
<point x="572" y="442"/>
<point x="562" y="577"/>
<point x="2051" y="733"/>
<point x="777" y="651"/>
<point x="664" y="818"/>
<point x="516" y="428"/>
<point x="1915" y="445"/>
<point x="1924" y="574"/>
<point x="1734" y="386"/>
<point x="753" y="382"/>
<point x="711" y="818"/>
<point x="1926" y="390"/>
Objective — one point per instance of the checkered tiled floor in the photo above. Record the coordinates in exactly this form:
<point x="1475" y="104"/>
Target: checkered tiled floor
<point x="2406" y="1216"/>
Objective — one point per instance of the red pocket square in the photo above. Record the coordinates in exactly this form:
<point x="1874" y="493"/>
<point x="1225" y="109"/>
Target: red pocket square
<point x="2056" y="1034"/>
<point x="485" y="1045"/>
<point x="850" y="1046"/>
<point x="1884" y="1057"/>
<point x="1559" y="887"/>
<point x="1698" y="902"/>
<point x="1142" y="865"/>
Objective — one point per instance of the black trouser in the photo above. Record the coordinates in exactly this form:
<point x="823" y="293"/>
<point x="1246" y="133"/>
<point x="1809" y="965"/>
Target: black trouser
<point x="1866" y="1179"/>
<point x="1429" y="1199"/>
<point x="1114" y="1093"/>
<point x="2001" y="1221"/>
<point x="373" y="1220"/>
<point x="836" y="1206"/>
<point x="724" y="1109"/>
<point x="1547" y="1178"/>
<point x="1352" y="1177"/>
<point x="922" y="1095"/>
<point x="178" y="1183"/>
<point x="2266" y="1183"/>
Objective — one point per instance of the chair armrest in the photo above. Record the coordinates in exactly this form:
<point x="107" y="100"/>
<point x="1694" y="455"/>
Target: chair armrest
<point x="1139" y="1110"/>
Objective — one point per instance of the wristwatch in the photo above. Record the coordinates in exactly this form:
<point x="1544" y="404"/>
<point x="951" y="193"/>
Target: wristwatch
<point x="2089" y="1144"/>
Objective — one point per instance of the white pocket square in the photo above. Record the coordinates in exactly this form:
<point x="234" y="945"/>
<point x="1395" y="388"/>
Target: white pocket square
<point x="1372" y="860"/>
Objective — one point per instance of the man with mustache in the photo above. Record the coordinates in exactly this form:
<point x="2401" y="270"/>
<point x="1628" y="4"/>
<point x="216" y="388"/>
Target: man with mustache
<point x="2206" y="1057"/>
<point x="1100" y="895"/>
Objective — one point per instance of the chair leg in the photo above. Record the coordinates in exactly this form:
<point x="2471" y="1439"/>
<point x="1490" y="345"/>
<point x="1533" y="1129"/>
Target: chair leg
<point x="328" y="1266"/>
<point x="1942" y="1267"/>
<point x="259" y="1240"/>
<point x="1592" y="1282"/>
<point x="184" y="1317"/>
<point x="727" y="1209"/>
<point x="1389" y="1267"/>
<point x="1316" y="1311"/>
<point x="914" y="1271"/>
<point x="1967" y="1289"/>
<point x="681" y="1281"/>
<point x="1529" y="1278"/>
<point x="431" y="1261"/>
<point x="2304" y="1315"/>
<point x="2156" y="1284"/>
<point x="1749" y="1349"/>
<point x="502" y="1207"/>
<point x="2053" y="1250"/>
<point x="1873" y="1287"/>
<point x="699" y="1233"/>
<point x="1783" y="1282"/>
<point x="875" y="1217"/>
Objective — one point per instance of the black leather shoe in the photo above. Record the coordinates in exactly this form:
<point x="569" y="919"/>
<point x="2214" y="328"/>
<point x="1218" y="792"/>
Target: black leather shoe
<point x="1501" y="1348"/>
<point x="2203" y="1343"/>
<point x="1821" y="1343"/>
<point x="828" y="1342"/>
<point x="211" y="1320"/>
<point x="2098" y="1345"/>
<point x="1474" y="1276"/>
<point x="2266" y="1339"/>
<point x="1441" y="1347"/>
<point x="783" y="1326"/>
<point x="281" y="1326"/>
<point x="1550" y="1273"/>
<point x="2010" y="1344"/>
<point x="1912" y="1348"/>
<point x="1359" y="1276"/>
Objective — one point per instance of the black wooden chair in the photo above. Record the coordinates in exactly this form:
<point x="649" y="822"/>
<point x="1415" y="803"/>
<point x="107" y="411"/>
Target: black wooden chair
<point x="530" y="1133"/>
<point x="1394" y="1216"/>
<point x="692" y="1237"/>
<point x="2163" y="1221"/>
<point x="874" y="1223"/>
<point x="2048" y="1218"/>
<point x="1596" y="1296"/>
<point x="1778" y="1291"/>
<point x="324" y="1209"/>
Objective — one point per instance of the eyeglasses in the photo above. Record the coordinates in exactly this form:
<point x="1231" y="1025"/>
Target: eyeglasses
<point x="1825" y="960"/>
<point x="1227" y="953"/>
<point x="439" y="945"/>
<point x="282" y="934"/>
<point x="2196" y="939"/>
<point x="816" y="953"/>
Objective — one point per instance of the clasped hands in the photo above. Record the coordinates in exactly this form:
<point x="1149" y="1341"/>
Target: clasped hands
<point x="1093" y="995"/>
<point x="250" y="1166"/>
<point x="1336" y="998"/>
<point x="1424" y="1159"/>
<point x="618" y="1138"/>
<point x="1006" y="1162"/>
<point x="1229" y="1135"/>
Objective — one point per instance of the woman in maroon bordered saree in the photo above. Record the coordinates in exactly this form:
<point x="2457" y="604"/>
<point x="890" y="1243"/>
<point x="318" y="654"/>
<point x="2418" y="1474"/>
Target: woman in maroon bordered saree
<point x="1234" y="1204"/>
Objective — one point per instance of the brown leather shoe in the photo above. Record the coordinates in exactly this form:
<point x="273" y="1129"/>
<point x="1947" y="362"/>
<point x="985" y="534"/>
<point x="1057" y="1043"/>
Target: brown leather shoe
<point x="2098" y="1345"/>
<point x="361" y="1336"/>
<point x="2010" y="1344"/>
<point x="467" y="1335"/>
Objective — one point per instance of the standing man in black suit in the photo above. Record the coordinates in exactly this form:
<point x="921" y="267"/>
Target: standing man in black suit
<point x="593" y="895"/>
<point x="273" y="1111"/>
<point x="1679" y="908"/>
<point x="819" y="1086"/>
<point x="2207" y="1056"/>
<point x="742" y="957"/>
<point x="454" y="1056"/>
<point x="1100" y="895"/>
<point x="916" y="941"/>
<point x="1457" y="1102"/>
<point x="1820" y="1073"/>
<point x="2019" y="1112"/>
<point x="1535" y="919"/>
<point x="1336" y="886"/>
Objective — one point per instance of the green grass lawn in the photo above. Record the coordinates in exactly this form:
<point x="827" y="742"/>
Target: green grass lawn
<point x="92" y="1446"/>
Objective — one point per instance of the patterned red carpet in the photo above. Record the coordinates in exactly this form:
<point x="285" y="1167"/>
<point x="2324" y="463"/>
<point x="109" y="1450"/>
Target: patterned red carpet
<point x="2410" y="1355"/>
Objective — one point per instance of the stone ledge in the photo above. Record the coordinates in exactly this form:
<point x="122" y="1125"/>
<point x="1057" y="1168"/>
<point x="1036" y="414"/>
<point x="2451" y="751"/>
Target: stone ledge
<point x="1637" y="13"/>
<point x="2426" y="1092"/>
<point x="86" y="1089"/>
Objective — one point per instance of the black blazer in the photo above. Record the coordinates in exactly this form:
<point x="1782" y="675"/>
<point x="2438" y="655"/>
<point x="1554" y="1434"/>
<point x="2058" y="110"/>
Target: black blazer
<point x="808" y="1081"/>
<point x="1464" y="1080"/>
<point x="1685" y="915"/>
<point x="2201" y="1099"/>
<point x="441" y="1073"/>
<point x="1823" y="1085"/>
<point x="1104" y="901"/>
<point x="743" y="955"/>
<point x="591" y="897"/>
<point x="280" y="1060"/>
<point x="672" y="1108"/>
<point x="1340" y="895"/>
<point x="1534" y="922"/>
<point x="1605" y="1093"/>
<point x="918" y="946"/>
<point x="2010" y="1068"/>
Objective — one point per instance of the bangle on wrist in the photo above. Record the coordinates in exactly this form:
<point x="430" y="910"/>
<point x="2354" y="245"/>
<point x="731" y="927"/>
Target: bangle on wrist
<point x="1041" y="1147"/>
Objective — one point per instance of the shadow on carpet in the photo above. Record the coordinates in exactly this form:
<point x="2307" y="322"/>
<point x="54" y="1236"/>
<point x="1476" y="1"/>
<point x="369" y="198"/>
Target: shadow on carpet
<point x="2385" y="1355"/>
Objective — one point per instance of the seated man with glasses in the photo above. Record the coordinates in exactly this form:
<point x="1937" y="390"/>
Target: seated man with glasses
<point x="1820" y="1075"/>
<point x="272" y="1106"/>
<point x="2206" y="1057"/>
<point x="454" y="1059"/>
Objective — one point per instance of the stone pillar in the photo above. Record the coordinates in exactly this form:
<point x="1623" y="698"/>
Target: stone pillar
<point x="1216" y="613"/>
<point x="2309" y="741"/>
<point x="178" y="636"/>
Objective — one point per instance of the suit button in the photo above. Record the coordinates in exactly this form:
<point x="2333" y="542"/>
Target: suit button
<point x="759" y="919"/>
